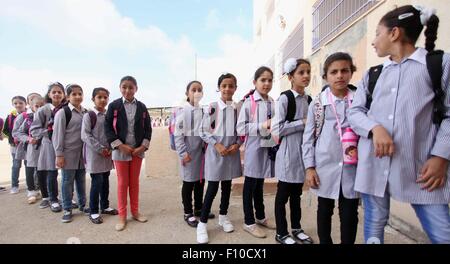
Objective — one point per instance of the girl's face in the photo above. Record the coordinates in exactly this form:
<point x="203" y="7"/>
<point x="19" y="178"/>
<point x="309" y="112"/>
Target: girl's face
<point x="19" y="105"/>
<point x="227" y="89"/>
<point x="264" y="83"/>
<point x="339" y="74"/>
<point x="76" y="96"/>
<point x="56" y="94"/>
<point x="383" y="40"/>
<point x="31" y="97"/>
<point x="301" y="76"/>
<point x="128" y="90"/>
<point x="101" y="99"/>
<point x="195" y="93"/>
<point x="35" y="104"/>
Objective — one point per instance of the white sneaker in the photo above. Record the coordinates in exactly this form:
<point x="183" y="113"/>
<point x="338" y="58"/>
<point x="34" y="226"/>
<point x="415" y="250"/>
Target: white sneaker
<point x="202" y="233"/>
<point x="14" y="190"/>
<point x="226" y="224"/>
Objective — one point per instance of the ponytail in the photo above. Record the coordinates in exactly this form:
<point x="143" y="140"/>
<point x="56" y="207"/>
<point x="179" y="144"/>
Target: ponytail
<point x="431" y="33"/>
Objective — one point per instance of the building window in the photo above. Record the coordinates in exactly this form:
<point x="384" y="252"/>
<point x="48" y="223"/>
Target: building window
<point x="294" y="45"/>
<point x="332" y="16"/>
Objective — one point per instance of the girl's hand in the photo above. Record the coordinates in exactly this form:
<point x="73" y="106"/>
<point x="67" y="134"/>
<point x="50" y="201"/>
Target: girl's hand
<point x="32" y="141"/>
<point x="187" y="158"/>
<point x="138" y="151"/>
<point x="312" y="179"/>
<point x="266" y="125"/>
<point x="433" y="173"/>
<point x="106" y="153"/>
<point x="304" y="121"/>
<point x="125" y="149"/>
<point x="382" y="141"/>
<point x="221" y="149"/>
<point x="233" y="149"/>
<point x="60" y="162"/>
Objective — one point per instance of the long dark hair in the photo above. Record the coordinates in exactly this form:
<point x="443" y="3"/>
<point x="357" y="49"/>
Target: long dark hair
<point x="50" y="87"/>
<point x="338" y="56"/>
<point x="408" y="18"/>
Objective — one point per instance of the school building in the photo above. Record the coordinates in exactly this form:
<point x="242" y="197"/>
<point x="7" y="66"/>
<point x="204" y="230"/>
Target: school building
<point x="313" y="29"/>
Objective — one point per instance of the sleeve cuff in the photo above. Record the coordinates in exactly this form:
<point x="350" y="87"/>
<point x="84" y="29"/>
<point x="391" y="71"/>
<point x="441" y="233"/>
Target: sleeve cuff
<point x="145" y="143"/>
<point x="309" y="163"/>
<point x="116" y="143"/>
<point x="59" y="153"/>
<point x="367" y="128"/>
<point x="440" y="151"/>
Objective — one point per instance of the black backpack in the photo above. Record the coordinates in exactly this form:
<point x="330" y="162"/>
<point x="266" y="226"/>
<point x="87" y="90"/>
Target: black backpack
<point x="290" y="116"/>
<point x="434" y="66"/>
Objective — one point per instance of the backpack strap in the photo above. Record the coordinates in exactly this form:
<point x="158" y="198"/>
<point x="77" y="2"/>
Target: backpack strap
<point x="213" y="111"/>
<point x="309" y="99"/>
<point x="93" y="118"/>
<point x="253" y="106"/>
<point x="374" y="74"/>
<point x="319" y="117"/>
<point x="2" y="123"/>
<point x="291" y="107"/>
<point x="68" y="114"/>
<point x="434" y="66"/>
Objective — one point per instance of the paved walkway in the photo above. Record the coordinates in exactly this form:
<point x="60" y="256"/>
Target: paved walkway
<point x="160" y="198"/>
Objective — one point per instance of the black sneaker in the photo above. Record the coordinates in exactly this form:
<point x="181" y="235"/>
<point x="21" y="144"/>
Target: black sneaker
<point x="191" y="220"/>
<point x="74" y="205"/>
<point x="67" y="217"/>
<point x="97" y="220"/>
<point x="285" y="240"/>
<point x="44" y="204"/>
<point x="2" y="189"/>
<point x="110" y="211"/>
<point x="198" y="213"/>
<point x="55" y="207"/>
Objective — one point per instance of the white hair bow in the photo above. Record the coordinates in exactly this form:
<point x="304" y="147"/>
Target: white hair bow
<point x="425" y="13"/>
<point x="290" y="65"/>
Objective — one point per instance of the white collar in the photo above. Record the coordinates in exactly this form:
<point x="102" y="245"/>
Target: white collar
<point x="223" y="105"/>
<point x="97" y="112"/>
<point x="420" y="55"/>
<point x="52" y="107"/>
<point x="324" y="96"/>
<point x="258" y="97"/>
<point x="71" y="107"/>
<point x="191" y="107"/>
<point x="126" y="101"/>
<point x="29" y="111"/>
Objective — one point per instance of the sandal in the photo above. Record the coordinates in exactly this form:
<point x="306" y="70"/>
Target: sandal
<point x="191" y="220"/>
<point x="300" y="235"/>
<point x="285" y="240"/>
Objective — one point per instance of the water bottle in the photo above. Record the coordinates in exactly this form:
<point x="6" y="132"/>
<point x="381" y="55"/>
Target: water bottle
<point x="350" y="146"/>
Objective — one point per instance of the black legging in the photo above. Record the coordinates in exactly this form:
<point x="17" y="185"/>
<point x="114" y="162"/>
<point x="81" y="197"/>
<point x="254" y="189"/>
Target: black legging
<point x="211" y="191"/>
<point x="186" y="195"/>
<point x="348" y="214"/>
<point x="292" y="192"/>
<point x="253" y="193"/>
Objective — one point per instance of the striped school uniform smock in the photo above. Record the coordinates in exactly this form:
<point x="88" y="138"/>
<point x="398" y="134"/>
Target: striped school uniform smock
<point x="188" y="140"/>
<point x="326" y="154"/>
<point x="20" y="153"/>
<point x="39" y="131"/>
<point x="257" y="163"/>
<point x="94" y="142"/>
<point x="32" y="153"/>
<point x="403" y="105"/>
<point x="67" y="140"/>
<point x="218" y="168"/>
<point x="288" y="163"/>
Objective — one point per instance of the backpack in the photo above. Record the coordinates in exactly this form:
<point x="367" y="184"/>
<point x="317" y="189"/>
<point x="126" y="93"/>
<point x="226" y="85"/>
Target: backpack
<point x="93" y="118"/>
<point x="290" y="116"/>
<point x="1" y="124"/>
<point x="172" y="127"/>
<point x="67" y="112"/>
<point x="434" y="66"/>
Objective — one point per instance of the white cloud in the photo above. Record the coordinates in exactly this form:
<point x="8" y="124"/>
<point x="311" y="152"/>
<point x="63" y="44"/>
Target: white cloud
<point x="96" y="25"/>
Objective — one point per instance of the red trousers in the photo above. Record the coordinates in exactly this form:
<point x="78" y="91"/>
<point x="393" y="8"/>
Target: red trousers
<point x="128" y="180"/>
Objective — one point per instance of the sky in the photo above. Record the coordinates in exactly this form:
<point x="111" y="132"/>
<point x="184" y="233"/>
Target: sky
<point x="96" y="42"/>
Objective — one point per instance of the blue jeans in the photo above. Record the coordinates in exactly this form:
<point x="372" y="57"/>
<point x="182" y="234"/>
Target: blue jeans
<point x="434" y="218"/>
<point x="68" y="178"/>
<point x="15" y="171"/>
<point x="99" y="189"/>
